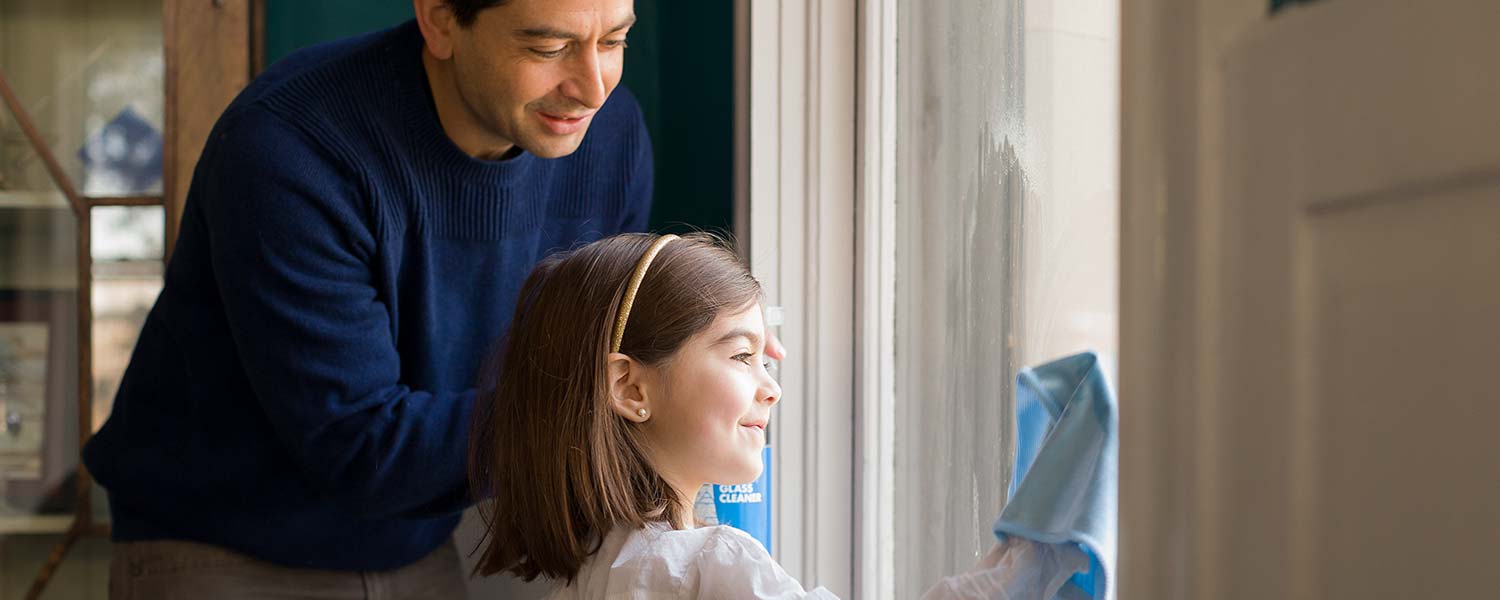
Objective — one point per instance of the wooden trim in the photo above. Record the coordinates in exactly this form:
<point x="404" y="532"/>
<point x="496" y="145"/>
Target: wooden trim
<point x="172" y="213"/>
<point x="98" y="201"/>
<point x="257" y="37"/>
<point x="28" y="128"/>
<point x="207" y="51"/>
<point x="54" y="560"/>
<point x="83" y="508"/>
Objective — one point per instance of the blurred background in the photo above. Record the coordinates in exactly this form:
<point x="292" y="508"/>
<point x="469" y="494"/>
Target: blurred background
<point x="1275" y="219"/>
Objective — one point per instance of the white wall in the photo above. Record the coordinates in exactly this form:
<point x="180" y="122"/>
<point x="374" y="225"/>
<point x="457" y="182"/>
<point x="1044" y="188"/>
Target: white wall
<point x="1071" y="224"/>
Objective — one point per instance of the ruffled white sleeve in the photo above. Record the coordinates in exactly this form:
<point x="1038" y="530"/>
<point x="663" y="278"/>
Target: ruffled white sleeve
<point x="734" y="566"/>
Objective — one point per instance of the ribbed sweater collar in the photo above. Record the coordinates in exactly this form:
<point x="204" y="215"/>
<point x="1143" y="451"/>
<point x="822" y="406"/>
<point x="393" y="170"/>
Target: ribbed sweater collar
<point x="414" y="101"/>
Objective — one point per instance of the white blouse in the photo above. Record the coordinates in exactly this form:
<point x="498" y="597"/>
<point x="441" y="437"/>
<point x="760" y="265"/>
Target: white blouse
<point x="721" y="562"/>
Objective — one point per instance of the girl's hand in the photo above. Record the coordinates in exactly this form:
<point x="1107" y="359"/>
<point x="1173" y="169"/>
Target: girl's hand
<point x="988" y="561"/>
<point x="774" y="349"/>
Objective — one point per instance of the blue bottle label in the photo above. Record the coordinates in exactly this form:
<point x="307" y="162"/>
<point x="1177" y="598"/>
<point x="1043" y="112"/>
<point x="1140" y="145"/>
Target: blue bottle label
<point x="745" y="506"/>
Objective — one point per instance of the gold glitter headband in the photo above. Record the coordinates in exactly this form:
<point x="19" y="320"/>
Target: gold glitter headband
<point x="635" y="284"/>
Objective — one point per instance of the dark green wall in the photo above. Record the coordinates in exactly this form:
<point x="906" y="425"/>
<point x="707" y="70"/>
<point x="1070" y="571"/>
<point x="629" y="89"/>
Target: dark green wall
<point x="680" y="65"/>
<point x="293" y="24"/>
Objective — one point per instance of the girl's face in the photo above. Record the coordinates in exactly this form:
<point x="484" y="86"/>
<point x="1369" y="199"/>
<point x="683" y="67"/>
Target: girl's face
<point x="711" y="405"/>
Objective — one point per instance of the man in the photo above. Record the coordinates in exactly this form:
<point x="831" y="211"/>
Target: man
<point x="294" y="419"/>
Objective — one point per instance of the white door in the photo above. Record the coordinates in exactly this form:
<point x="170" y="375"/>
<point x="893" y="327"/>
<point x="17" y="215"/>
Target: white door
<point x="1337" y="435"/>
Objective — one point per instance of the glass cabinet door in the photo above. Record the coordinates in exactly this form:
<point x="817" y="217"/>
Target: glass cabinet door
<point x="88" y="78"/>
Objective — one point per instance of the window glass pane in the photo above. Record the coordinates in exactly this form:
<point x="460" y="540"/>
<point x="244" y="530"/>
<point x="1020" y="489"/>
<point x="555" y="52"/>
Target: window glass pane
<point x="127" y="233"/>
<point x="127" y="250"/>
<point x="89" y="73"/>
<point x="1006" y="236"/>
<point x="38" y="360"/>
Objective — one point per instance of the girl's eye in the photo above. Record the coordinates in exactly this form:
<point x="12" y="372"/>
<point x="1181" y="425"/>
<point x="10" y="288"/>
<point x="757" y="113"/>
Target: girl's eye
<point x="743" y="357"/>
<point x="544" y="53"/>
<point x="768" y="365"/>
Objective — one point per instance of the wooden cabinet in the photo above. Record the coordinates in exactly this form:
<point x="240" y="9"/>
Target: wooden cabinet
<point x="107" y="104"/>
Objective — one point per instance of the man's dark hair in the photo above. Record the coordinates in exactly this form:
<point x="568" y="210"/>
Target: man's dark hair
<point x="467" y="10"/>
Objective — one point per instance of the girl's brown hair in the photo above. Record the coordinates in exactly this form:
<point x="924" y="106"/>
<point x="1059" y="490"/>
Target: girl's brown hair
<point x="563" y="469"/>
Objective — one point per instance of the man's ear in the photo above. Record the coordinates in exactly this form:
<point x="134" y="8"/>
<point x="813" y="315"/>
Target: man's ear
<point x="629" y="389"/>
<point x="435" y="19"/>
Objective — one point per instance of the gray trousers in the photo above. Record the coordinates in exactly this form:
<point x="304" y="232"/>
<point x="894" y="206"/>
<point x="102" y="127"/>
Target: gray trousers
<point x="172" y="570"/>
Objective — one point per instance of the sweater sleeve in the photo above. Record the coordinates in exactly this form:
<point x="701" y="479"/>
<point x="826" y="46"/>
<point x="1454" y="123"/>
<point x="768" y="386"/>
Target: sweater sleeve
<point x="292" y="253"/>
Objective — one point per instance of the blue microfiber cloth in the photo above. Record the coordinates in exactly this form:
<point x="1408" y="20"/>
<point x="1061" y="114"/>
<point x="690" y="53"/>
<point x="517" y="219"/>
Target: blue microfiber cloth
<point x="1065" y="488"/>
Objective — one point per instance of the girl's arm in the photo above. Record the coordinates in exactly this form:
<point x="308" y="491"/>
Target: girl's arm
<point x="1015" y="569"/>
<point x="734" y="566"/>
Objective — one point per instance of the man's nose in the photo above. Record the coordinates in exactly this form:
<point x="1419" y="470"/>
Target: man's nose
<point x="586" y="82"/>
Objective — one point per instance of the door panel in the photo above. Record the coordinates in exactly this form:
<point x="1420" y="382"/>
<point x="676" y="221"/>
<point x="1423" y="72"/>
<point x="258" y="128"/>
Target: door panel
<point x="1405" y="293"/>
<point x="1346" y="443"/>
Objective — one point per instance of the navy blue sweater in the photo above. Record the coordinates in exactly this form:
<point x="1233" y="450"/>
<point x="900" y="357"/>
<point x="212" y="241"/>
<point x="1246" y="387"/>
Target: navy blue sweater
<point x="301" y="391"/>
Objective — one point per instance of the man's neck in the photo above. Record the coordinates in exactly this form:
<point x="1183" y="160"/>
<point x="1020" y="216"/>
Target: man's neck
<point x="461" y="126"/>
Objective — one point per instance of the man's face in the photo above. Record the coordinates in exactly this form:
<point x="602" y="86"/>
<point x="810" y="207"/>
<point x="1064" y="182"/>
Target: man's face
<point x="534" y="72"/>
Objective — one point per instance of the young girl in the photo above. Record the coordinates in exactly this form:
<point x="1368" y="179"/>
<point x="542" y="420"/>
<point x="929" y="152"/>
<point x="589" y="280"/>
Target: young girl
<point x="633" y="374"/>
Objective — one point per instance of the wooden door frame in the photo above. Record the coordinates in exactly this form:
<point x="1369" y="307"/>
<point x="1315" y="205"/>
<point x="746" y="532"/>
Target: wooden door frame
<point x="212" y="48"/>
<point x="1171" y="120"/>
<point x="208" y="50"/>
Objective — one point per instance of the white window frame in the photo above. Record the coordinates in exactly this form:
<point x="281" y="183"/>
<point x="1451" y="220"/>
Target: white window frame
<point x="816" y="87"/>
<point x="815" y="189"/>
<point x="875" y="285"/>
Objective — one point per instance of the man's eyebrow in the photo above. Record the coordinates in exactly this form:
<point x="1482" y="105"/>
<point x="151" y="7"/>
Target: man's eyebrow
<point x="751" y="336"/>
<point x="546" y="33"/>
<point x="543" y="32"/>
<point x="623" y="24"/>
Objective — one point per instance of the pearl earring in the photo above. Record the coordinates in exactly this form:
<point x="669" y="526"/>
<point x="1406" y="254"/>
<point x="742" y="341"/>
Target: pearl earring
<point x="640" y="412"/>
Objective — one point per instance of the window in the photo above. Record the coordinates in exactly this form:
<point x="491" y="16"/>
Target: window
<point x="972" y="146"/>
<point x="88" y="77"/>
<point x="1005" y="246"/>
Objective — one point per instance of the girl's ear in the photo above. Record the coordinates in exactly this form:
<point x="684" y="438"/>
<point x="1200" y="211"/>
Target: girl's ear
<point x="628" y="389"/>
